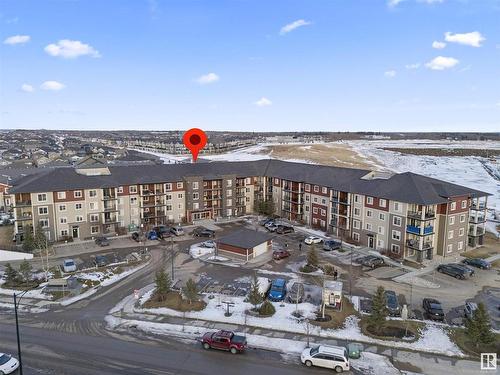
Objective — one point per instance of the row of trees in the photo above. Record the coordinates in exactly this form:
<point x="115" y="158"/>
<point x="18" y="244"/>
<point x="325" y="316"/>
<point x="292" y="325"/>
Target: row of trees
<point x="164" y="287"/>
<point x="23" y="276"/>
<point x="265" y="207"/>
<point x="477" y="329"/>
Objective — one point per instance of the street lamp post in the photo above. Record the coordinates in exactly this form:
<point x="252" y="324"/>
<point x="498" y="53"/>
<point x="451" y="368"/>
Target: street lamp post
<point x="16" y="304"/>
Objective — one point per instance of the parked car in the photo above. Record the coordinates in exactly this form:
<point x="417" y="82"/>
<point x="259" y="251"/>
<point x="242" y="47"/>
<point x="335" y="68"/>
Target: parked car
<point x="272" y="227"/>
<point x="69" y="265"/>
<point x="392" y="303"/>
<point x="478" y="263"/>
<point x="295" y="293"/>
<point x="224" y="340"/>
<point x="265" y="221"/>
<point x="270" y="222"/>
<point x="451" y="269"/>
<point x="209" y="243"/>
<point x="152" y="235"/>
<point x="8" y="364"/>
<point x="469" y="271"/>
<point x="203" y="232"/>
<point x="312" y="239"/>
<point x="330" y="245"/>
<point x="177" y="231"/>
<point x="162" y="231"/>
<point x="277" y="292"/>
<point x="469" y="309"/>
<point x="332" y="357"/>
<point x="432" y="309"/>
<point x="102" y="241"/>
<point x="136" y="236"/>
<point x="280" y="254"/>
<point x="283" y="229"/>
<point x="100" y="261"/>
<point x="372" y="261"/>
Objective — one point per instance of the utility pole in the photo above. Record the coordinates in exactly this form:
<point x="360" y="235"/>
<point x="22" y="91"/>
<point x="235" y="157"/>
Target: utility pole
<point x="16" y="305"/>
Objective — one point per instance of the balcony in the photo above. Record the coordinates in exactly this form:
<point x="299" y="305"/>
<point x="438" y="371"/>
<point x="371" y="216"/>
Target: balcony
<point x="429" y="215"/>
<point x="416" y="230"/>
<point x="340" y="200"/>
<point x="479" y="231"/>
<point x="477" y="219"/>
<point x="294" y="189"/>
<point x="479" y="206"/>
<point x="25" y="203"/>
<point x="415" y="244"/>
<point x="108" y="197"/>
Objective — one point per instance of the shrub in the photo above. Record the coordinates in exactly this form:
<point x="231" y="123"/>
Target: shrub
<point x="267" y="309"/>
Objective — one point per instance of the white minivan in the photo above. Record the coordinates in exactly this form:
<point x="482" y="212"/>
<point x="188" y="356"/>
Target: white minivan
<point x="332" y="357"/>
<point x="69" y="265"/>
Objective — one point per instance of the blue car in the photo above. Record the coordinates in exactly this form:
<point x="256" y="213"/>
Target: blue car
<point x="277" y="292"/>
<point x="152" y="235"/>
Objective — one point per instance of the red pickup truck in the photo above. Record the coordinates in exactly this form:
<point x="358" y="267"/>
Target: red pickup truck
<point x="224" y="340"/>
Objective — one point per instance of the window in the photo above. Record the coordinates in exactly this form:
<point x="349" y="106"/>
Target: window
<point x="276" y="181"/>
<point x="64" y="233"/>
<point x="369" y="213"/>
<point x="61" y="195"/>
<point x="229" y="193"/>
<point x="307" y="187"/>
<point x="180" y="195"/>
<point x="451" y="220"/>
<point x="196" y="206"/>
<point x="120" y="189"/>
<point x="453" y="206"/>
<point x="323" y="213"/>
<point x="78" y="206"/>
<point x="356" y="198"/>
<point x="355" y="236"/>
<point x="461" y="232"/>
<point x="133" y="200"/>
<point x="42" y="197"/>
<point x="324" y="190"/>
<point x="369" y="200"/>
<point x="462" y="218"/>
<point x="168" y="186"/>
<point x="323" y="201"/>
<point x="79" y="219"/>
<point x="168" y="197"/>
<point x="449" y="248"/>
<point x="396" y="235"/>
<point x="94" y="229"/>
<point x="195" y="185"/>
<point x="382" y="203"/>
<point x="307" y="198"/>
<point x="62" y="207"/>
<point x="381" y="229"/>
<point x="229" y="183"/>
<point x="169" y="207"/>
<point x="77" y="194"/>
<point x="92" y="206"/>
<point x="464" y="205"/>
<point x="380" y="244"/>
<point x="93" y="193"/>
<point x="460" y="245"/>
<point x="357" y="211"/>
<point x="229" y="202"/>
<point x="229" y="212"/>
<point x="356" y="224"/>
<point x="44" y="223"/>
<point x="43" y="210"/>
<point x="132" y="189"/>
<point x="368" y="226"/>
<point x="307" y="208"/>
<point x="315" y="210"/>
<point x="395" y="248"/>
<point x="94" y="218"/>
<point x="381" y="216"/>
<point x="179" y="185"/>
<point x="247" y="190"/>
<point x="315" y="199"/>
<point x="397" y="207"/>
<point x="63" y="220"/>
<point x="322" y="223"/>
<point x="450" y="234"/>
<point x="396" y="220"/>
<point x="180" y="206"/>
<point x="196" y="196"/>
<point x="316" y="189"/>
<point x="248" y="181"/>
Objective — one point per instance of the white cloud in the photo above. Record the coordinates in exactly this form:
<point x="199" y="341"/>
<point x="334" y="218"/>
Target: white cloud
<point x="207" y="78"/>
<point x="52" y="85"/>
<point x="27" y="88"/>
<point x="71" y="49"/>
<point x="390" y="74"/>
<point x="263" y="102"/>
<point x="430" y="1"/>
<point x="17" y="39"/>
<point x="294" y="25"/>
<point x="393" y="3"/>
<point x="472" y="39"/>
<point x="498" y="104"/>
<point x="442" y="63"/>
<point x="412" y="66"/>
<point x="438" y="45"/>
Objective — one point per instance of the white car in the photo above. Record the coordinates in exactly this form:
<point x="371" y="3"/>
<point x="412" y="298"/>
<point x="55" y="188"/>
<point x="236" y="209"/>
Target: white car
<point x="332" y="357"/>
<point x="69" y="265"/>
<point x="8" y="364"/>
<point x="209" y="243"/>
<point x="177" y="231"/>
<point x="312" y="239"/>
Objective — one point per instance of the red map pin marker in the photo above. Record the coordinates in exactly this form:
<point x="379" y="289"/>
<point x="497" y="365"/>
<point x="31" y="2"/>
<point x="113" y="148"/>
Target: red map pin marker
<point x="194" y="140"/>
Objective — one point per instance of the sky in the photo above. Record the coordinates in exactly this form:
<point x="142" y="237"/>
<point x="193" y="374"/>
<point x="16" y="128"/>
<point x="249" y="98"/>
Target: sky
<point x="250" y="65"/>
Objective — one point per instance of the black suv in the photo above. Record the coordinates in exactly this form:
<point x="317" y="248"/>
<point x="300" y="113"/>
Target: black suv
<point x="102" y="241"/>
<point x="282" y="229"/>
<point x="372" y="261"/>
<point x="455" y="270"/>
<point x="330" y="245"/>
<point x="203" y="232"/>
<point x="432" y="309"/>
<point x="162" y="231"/>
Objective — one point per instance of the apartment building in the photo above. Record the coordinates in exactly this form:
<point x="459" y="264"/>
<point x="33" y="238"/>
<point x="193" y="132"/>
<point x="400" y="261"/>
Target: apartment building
<point x="403" y="215"/>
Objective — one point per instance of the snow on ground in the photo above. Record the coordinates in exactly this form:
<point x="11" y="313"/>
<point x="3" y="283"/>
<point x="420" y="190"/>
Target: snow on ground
<point x="374" y="364"/>
<point x="35" y="293"/>
<point x="410" y="278"/>
<point x="198" y="251"/>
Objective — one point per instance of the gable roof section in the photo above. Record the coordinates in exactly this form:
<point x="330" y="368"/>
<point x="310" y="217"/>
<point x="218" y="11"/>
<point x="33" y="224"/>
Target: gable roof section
<point x="245" y="238"/>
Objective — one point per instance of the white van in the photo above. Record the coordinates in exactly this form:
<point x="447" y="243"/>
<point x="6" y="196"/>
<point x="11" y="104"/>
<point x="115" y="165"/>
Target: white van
<point x="332" y="357"/>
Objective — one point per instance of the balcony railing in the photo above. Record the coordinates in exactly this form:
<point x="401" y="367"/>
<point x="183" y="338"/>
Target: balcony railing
<point x="479" y="231"/>
<point x="415" y="244"/>
<point x="477" y="220"/>
<point x="480" y="206"/>
<point x="340" y="200"/>
<point x="23" y="203"/>
<point x="418" y="215"/>
<point x="416" y="230"/>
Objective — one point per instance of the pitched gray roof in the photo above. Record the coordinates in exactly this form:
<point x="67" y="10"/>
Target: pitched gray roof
<point x="404" y="187"/>
<point x="245" y="238"/>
